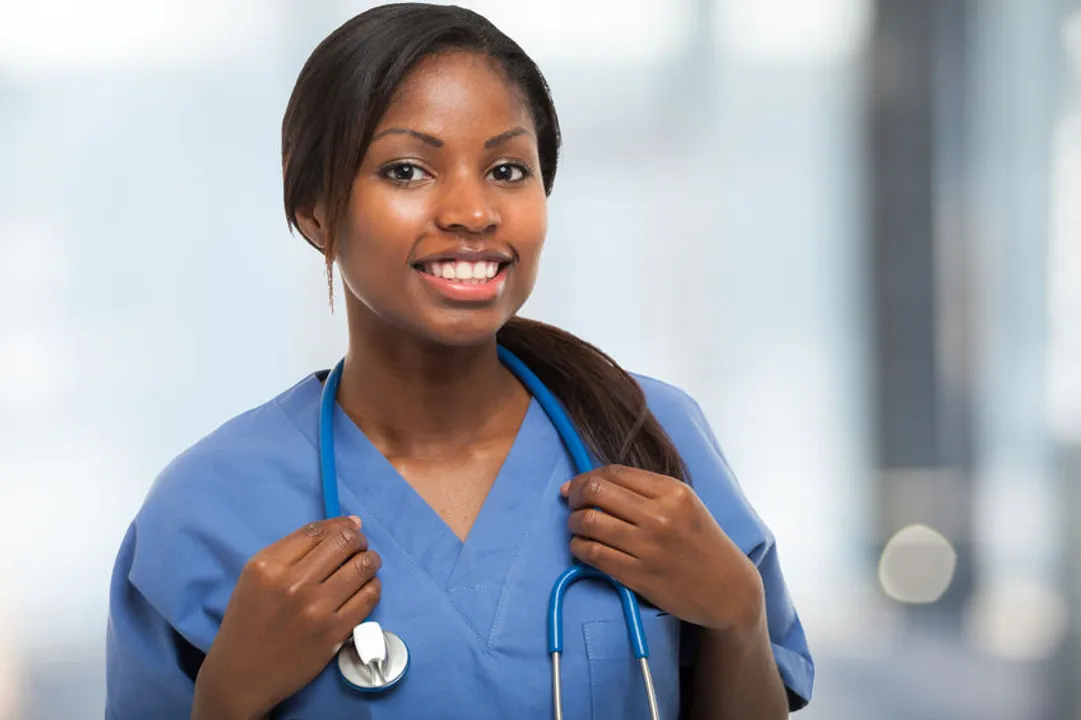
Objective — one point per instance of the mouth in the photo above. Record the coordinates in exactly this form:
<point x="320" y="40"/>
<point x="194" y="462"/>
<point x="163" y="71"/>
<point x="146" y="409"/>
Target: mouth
<point x="464" y="272"/>
<point x="472" y="282"/>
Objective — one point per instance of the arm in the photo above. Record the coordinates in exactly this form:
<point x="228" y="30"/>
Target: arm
<point x="701" y="553"/>
<point x="766" y="663"/>
<point x="655" y="535"/>
<point x="736" y="677"/>
<point x="294" y="604"/>
<point x="215" y="700"/>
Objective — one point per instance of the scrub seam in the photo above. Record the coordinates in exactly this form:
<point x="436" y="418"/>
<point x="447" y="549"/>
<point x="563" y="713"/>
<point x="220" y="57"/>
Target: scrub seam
<point x="342" y="489"/>
<point x="511" y="571"/>
<point x="420" y="570"/>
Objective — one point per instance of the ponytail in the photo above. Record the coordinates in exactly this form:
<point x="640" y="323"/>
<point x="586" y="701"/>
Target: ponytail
<point x="604" y="402"/>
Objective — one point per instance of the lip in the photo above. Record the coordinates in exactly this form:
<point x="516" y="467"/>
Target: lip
<point x="466" y="255"/>
<point x="467" y="293"/>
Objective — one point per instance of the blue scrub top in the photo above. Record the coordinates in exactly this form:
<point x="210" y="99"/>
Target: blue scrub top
<point x="473" y="614"/>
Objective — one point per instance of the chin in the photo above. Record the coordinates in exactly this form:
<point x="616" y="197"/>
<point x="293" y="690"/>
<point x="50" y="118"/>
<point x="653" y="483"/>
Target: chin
<point x="459" y="337"/>
<point x="470" y="329"/>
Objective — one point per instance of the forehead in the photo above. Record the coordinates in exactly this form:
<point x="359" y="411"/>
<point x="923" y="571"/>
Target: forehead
<point x="456" y="92"/>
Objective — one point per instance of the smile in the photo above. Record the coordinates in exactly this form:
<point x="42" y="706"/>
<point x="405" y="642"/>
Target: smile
<point x="465" y="281"/>
<point x="462" y="271"/>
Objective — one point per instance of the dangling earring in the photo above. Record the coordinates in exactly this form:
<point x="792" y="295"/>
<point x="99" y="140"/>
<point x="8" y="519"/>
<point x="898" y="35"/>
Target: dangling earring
<point x="330" y="282"/>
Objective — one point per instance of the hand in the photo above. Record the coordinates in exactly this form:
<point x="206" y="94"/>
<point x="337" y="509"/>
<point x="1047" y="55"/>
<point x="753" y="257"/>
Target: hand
<point x="294" y="605"/>
<point x="653" y="534"/>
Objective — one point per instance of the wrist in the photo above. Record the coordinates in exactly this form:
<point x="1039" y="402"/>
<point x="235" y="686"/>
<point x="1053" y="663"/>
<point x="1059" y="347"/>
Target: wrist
<point x="737" y="636"/>
<point x="745" y="615"/>
<point x="217" y="697"/>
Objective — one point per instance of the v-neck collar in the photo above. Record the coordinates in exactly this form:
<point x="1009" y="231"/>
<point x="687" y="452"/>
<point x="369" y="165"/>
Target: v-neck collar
<point x="372" y="487"/>
<point x="474" y="577"/>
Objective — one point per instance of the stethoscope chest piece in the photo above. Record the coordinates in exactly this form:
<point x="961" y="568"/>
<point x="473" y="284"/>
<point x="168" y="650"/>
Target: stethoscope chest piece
<point x="375" y="660"/>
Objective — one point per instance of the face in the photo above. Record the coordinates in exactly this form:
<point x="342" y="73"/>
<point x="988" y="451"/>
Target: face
<point x="448" y="214"/>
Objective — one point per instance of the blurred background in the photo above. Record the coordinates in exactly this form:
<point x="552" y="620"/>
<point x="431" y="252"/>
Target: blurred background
<point x="850" y="228"/>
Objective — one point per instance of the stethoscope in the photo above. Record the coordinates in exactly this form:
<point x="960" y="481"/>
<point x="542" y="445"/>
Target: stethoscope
<point x="377" y="659"/>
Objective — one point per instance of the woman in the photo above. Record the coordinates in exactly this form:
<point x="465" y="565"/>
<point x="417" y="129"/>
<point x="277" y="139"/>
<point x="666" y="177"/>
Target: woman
<point x="419" y="147"/>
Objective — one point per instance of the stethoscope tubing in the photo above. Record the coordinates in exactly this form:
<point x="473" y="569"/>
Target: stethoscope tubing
<point x="583" y="463"/>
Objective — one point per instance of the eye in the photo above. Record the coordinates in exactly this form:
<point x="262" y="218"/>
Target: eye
<point x="509" y="172"/>
<point x="404" y="173"/>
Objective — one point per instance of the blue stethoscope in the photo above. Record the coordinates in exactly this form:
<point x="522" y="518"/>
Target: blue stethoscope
<point x="377" y="659"/>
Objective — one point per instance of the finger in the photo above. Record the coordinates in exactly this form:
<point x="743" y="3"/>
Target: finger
<point x="592" y="524"/>
<point x="641" y="482"/>
<point x="331" y="553"/>
<point x="358" y="607"/>
<point x="354" y="574"/>
<point x="596" y="490"/>
<point x="292" y="548"/>
<point x="607" y="559"/>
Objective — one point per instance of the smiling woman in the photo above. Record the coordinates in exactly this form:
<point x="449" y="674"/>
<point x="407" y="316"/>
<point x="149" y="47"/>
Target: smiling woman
<point x="419" y="148"/>
<point x="449" y="175"/>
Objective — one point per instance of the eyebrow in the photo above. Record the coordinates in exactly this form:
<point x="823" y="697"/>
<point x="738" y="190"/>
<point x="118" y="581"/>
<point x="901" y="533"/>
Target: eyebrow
<point x="425" y="137"/>
<point x="437" y="143"/>
<point x="503" y="137"/>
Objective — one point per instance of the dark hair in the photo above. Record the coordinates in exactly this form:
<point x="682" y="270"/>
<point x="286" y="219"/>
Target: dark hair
<point x="342" y="92"/>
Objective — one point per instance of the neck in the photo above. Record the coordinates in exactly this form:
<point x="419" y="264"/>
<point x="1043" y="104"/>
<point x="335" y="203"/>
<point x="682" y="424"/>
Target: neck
<point x="413" y="397"/>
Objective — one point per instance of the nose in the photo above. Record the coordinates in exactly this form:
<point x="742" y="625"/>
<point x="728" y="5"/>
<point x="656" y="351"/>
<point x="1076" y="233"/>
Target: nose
<point x="467" y="205"/>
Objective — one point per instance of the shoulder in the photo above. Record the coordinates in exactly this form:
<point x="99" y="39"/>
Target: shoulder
<point x="716" y="485"/>
<point x="683" y="419"/>
<point x="677" y="412"/>
<point x="229" y="495"/>
<point x="710" y="474"/>
<point x="238" y="452"/>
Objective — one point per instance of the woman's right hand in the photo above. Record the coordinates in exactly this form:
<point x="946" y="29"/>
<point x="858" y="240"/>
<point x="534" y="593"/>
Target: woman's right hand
<point x="294" y="605"/>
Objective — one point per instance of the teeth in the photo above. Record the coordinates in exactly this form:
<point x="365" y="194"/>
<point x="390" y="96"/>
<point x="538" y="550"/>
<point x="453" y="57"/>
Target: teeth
<point x="470" y="273"/>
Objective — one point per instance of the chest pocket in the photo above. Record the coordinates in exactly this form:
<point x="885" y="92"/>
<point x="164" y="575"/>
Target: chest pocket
<point x="618" y="691"/>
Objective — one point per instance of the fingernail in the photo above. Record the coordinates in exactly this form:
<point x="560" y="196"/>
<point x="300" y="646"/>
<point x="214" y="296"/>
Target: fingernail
<point x="565" y="490"/>
<point x="355" y="519"/>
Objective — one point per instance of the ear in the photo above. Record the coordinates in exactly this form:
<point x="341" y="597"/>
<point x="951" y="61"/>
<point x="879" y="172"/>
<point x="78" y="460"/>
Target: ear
<point x="312" y="223"/>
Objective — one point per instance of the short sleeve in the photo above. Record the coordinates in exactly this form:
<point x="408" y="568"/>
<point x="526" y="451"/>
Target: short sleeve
<point x="145" y="671"/>
<point x="716" y="485"/>
<point x="173" y="576"/>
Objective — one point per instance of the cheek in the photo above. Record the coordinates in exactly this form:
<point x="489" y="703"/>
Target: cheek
<point x="397" y="212"/>
<point x="379" y="233"/>
<point x="526" y="225"/>
<point x="533" y="232"/>
<point x="389" y="216"/>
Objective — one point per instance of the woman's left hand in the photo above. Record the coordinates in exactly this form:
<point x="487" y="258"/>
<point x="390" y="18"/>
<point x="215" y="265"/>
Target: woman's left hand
<point x="653" y="534"/>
